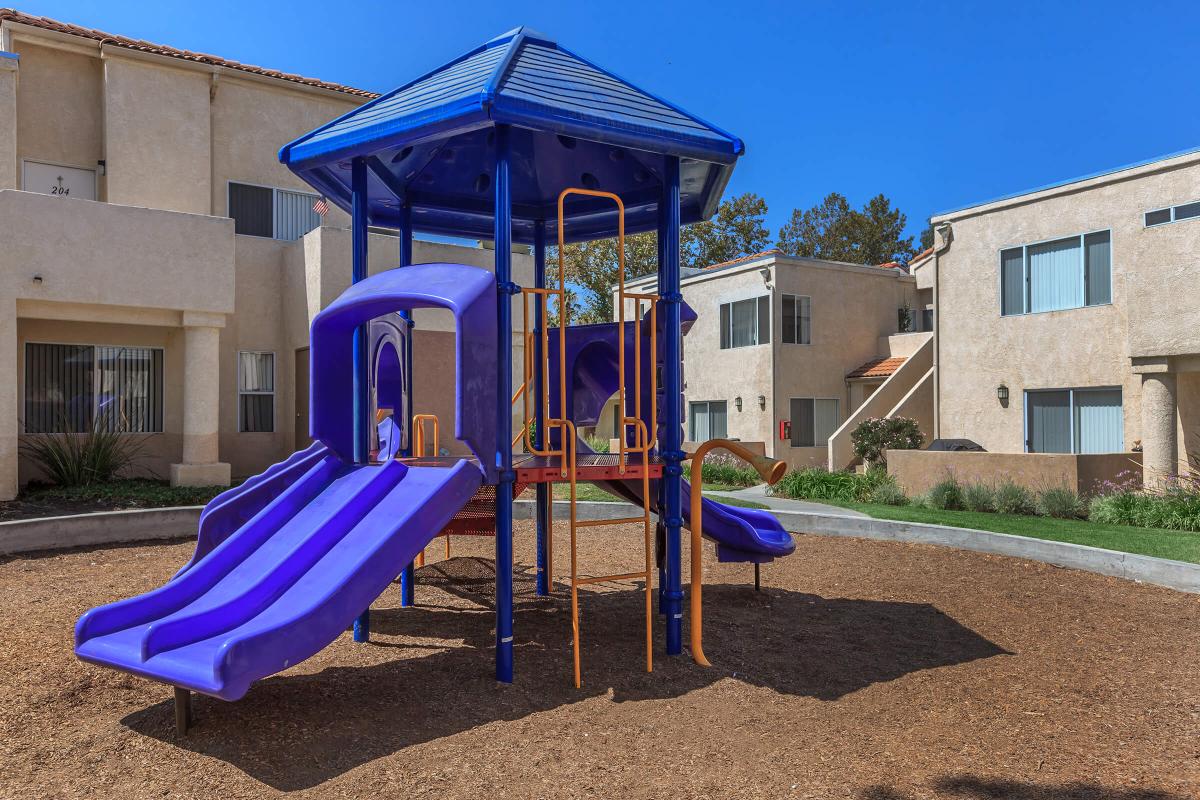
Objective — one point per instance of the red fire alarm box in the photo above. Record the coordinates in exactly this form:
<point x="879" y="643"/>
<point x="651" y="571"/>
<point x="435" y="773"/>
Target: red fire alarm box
<point x="785" y="429"/>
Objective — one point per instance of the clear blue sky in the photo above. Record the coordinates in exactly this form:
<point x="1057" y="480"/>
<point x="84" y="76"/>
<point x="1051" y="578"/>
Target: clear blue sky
<point x="937" y="105"/>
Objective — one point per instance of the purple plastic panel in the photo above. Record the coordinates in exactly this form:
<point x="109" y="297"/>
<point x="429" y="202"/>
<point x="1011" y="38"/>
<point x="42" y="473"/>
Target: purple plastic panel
<point x="468" y="292"/>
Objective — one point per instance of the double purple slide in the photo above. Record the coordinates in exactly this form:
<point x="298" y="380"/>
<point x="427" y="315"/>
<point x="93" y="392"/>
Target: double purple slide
<point x="286" y="561"/>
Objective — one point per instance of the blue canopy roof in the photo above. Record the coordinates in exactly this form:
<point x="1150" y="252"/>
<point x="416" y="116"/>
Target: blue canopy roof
<point x="573" y="124"/>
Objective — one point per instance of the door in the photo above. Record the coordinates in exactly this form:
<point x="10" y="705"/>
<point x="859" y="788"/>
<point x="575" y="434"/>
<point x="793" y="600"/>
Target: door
<point x="303" y="440"/>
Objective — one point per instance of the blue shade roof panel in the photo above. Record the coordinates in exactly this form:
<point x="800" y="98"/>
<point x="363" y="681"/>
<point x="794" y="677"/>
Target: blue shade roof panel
<point x="431" y="142"/>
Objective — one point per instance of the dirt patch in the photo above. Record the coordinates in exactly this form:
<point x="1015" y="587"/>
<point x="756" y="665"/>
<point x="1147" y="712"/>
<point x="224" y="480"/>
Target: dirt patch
<point x="867" y="670"/>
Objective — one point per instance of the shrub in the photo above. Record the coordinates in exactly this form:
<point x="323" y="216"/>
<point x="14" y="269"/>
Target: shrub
<point x="946" y="495"/>
<point x="724" y="467"/>
<point x="1060" y="502"/>
<point x="819" y="484"/>
<point x="1012" y="498"/>
<point x="597" y="443"/>
<point x="888" y="494"/>
<point x="873" y="437"/>
<point x="81" y="459"/>
<point x="1175" y="509"/>
<point x="979" y="497"/>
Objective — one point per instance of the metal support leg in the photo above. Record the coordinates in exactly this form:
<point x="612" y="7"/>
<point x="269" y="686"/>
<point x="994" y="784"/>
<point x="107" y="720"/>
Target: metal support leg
<point x="668" y="290"/>
<point x="757" y="585"/>
<point x="183" y="711"/>
<point x="503" y="462"/>
<point x="362" y="627"/>
<point x="362" y="385"/>
<point x="408" y="581"/>
<point x="544" y="579"/>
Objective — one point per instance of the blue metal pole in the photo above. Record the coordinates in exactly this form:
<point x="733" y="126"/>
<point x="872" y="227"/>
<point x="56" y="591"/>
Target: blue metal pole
<point x="538" y="389"/>
<point x="504" y="512"/>
<point x="668" y="289"/>
<point x="362" y="385"/>
<point x="404" y="233"/>
<point x="662" y="485"/>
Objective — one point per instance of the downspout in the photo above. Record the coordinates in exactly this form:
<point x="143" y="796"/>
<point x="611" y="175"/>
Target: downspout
<point x="942" y="236"/>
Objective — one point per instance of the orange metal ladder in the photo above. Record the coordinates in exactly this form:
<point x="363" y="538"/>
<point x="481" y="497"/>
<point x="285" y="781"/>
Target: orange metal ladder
<point x="644" y="438"/>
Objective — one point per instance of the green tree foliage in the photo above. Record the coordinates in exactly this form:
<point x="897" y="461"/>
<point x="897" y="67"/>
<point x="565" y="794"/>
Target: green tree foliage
<point x="927" y="237"/>
<point x="738" y="229"/>
<point x="833" y="230"/>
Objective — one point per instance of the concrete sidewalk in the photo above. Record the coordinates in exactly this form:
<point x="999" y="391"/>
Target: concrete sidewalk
<point x="758" y="494"/>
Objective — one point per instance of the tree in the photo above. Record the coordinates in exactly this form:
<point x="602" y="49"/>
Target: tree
<point x="824" y="231"/>
<point x="738" y="229"/>
<point x="833" y="230"/>
<point x="927" y="237"/>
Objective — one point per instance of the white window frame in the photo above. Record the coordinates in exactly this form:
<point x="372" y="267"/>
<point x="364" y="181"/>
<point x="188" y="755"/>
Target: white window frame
<point x="1171" y="209"/>
<point x="95" y="377"/>
<point x="272" y="393"/>
<point x="838" y="416"/>
<point x="1070" y="390"/>
<point x="275" y="190"/>
<point x="691" y="420"/>
<point x="796" y="298"/>
<point x="758" y="339"/>
<point x="1024" y="248"/>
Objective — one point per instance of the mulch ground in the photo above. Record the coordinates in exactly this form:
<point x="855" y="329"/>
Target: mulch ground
<point x="866" y="670"/>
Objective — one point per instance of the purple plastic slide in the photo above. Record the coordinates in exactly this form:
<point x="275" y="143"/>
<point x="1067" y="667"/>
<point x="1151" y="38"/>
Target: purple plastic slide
<point x="287" y="560"/>
<point x="741" y="534"/>
<point x="284" y="585"/>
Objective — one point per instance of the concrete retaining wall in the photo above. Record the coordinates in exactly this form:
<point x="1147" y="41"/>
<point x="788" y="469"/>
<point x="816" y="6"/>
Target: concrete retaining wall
<point x="918" y="470"/>
<point x="106" y="527"/>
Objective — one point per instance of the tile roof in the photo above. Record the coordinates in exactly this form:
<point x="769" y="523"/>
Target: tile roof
<point x="877" y="368"/>
<point x="774" y="251"/>
<point x="45" y="23"/>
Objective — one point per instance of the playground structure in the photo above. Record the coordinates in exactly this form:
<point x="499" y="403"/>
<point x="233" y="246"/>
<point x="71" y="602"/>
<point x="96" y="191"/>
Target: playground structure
<point x="515" y="141"/>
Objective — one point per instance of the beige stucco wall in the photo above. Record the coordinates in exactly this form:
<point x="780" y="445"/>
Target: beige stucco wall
<point x="60" y="113"/>
<point x="916" y="471"/>
<point x="157" y="137"/>
<point x="9" y="174"/>
<point x="853" y="311"/>
<point x="1153" y="312"/>
<point x="851" y="308"/>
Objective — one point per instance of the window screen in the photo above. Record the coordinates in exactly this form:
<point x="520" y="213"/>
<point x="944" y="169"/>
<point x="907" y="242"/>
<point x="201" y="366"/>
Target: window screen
<point x="797" y="325"/>
<point x="814" y="420"/>
<point x="251" y="209"/>
<point x="294" y="215"/>
<point x="707" y="420"/>
<point x="746" y="322"/>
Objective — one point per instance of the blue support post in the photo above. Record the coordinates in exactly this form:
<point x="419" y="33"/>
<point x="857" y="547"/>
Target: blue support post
<point x="662" y="485"/>
<point x="362" y="384"/>
<point x="404" y="234"/>
<point x="538" y="389"/>
<point x="668" y="289"/>
<point x="505" y="289"/>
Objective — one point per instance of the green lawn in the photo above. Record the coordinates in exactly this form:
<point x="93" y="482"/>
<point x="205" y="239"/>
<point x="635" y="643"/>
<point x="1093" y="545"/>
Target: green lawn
<point x="1178" y="545"/>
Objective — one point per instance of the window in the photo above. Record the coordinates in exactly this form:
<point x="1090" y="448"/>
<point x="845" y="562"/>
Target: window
<point x="706" y="420"/>
<point x="1074" y="421"/>
<point x="746" y="322"/>
<point x="1174" y="214"/>
<point x="75" y="388"/>
<point x="256" y="392"/>
<point x="927" y="319"/>
<point x="1051" y="276"/>
<point x="274" y="213"/>
<point x="797" y="319"/>
<point x="813" y="421"/>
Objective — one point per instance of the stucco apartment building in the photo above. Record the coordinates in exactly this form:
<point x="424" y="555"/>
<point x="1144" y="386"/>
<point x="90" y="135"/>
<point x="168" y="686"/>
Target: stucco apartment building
<point x="159" y="266"/>
<point x="788" y="351"/>
<point x="1068" y="318"/>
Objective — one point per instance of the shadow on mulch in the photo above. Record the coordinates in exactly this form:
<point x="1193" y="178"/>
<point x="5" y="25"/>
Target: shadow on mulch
<point x="971" y="787"/>
<point x="343" y="717"/>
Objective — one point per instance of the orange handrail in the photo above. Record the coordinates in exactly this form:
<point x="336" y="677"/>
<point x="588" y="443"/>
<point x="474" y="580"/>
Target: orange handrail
<point x="418" y="421"/>
<point x="771" y="471"/>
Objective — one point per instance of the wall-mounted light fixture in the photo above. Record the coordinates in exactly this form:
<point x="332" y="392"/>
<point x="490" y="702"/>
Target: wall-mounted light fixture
<point x="737" y="402"/>
<point x="762" y="401"/>
<point x="37" y="278"/>
<point x="1002" y="393"/>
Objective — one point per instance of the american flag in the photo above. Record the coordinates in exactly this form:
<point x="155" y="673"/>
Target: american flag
<point x="321" y="206"/>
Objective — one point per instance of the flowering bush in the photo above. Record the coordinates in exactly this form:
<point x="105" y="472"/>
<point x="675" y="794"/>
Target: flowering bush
<point x="875" y="436"/>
